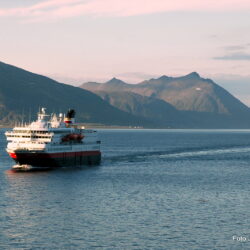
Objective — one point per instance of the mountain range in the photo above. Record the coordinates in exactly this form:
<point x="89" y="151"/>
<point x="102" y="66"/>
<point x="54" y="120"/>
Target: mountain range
<point x="23" y="92"/>
<point x="187" y="101"/>
<point x="176" y="102"/>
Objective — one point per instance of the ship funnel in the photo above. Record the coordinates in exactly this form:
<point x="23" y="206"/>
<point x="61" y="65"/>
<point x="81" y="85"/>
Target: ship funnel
<point x="69" y="119"/>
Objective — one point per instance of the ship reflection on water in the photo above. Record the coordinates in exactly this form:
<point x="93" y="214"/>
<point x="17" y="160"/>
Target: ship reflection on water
<point x="29" y="168"/>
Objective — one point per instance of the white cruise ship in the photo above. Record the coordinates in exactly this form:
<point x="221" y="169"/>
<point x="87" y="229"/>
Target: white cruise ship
<point x="53" y="141"/>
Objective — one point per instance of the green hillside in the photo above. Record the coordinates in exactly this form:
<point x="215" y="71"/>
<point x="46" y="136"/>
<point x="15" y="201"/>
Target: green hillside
<point x="23" y="92"/>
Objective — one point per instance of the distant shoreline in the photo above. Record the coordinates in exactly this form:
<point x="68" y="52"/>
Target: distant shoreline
<point x="101" y="126"/>
<point x="96" y="126"/>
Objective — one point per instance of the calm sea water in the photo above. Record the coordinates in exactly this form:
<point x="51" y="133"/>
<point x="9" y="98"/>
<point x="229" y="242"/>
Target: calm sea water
<point x="155" y="189"/>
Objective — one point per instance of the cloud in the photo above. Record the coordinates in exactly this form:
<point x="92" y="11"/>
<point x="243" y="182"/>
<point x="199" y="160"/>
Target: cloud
<point x="238" y="56"/>
<point x="235" y="53"/>
<point x="58" y="9"/>
<point x="235" y="47"/>
<point x="238" y="47"/>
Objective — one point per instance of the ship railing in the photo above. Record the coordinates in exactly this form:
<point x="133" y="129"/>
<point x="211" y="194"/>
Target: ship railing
<point x="28" y="148"/>
<point x="28" y="132"/>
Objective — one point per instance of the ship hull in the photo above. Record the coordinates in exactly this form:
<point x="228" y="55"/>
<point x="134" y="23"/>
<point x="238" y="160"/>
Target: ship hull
<point x="52" y="160"/>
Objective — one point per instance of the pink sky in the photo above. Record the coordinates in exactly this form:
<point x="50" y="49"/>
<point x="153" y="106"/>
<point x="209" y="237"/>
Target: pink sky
<point x="54" y="9"/>
<point x="129" y="39"/>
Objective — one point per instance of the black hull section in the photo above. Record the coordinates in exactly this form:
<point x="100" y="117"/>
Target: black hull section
<point x="57" y="160"/>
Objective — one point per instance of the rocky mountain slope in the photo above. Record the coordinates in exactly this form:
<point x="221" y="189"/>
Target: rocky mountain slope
<point x="23" y="92"/>
<point x="201" y="102"/>
<point x="183" y="102"/>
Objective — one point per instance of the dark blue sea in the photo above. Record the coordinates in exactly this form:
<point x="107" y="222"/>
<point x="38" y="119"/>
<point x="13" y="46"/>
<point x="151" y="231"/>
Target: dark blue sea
<point x="155" y="189"/>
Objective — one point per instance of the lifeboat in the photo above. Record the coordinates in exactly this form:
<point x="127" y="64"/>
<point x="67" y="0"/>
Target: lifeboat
<point x="72" y="137"/>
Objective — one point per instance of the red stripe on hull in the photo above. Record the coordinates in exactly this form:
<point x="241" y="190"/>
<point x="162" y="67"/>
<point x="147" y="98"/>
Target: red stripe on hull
<point x="13" y="155"/>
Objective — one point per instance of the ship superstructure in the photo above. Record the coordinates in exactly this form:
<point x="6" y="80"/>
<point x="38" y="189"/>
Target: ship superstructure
<point x="53" y="141"/>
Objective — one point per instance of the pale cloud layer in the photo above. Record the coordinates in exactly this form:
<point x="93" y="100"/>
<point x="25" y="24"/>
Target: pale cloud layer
<point x="238" y="56"/>
<point x="59" y="9"/>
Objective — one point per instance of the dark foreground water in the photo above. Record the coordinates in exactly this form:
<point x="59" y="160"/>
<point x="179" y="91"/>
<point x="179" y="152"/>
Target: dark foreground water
<point x="155" y="189"/>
